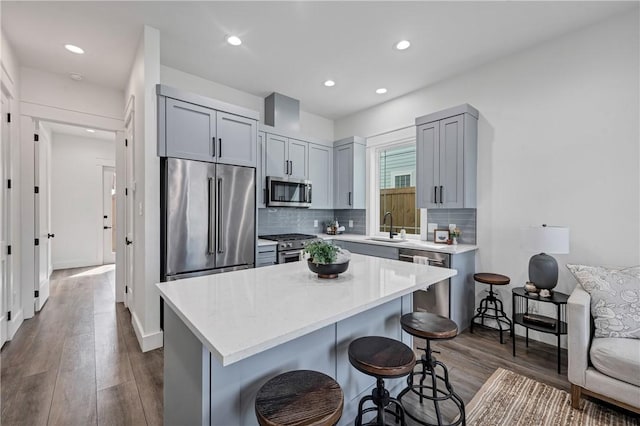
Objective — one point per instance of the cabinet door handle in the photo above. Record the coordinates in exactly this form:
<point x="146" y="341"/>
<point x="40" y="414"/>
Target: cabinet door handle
<point x="435" y="194"/>
<point x="213" y="144"/>
<point x="286" y="167"/>
<point x="441" y="194"/>
<point x="220" y="147"/>
<point x="349" y="197"/>
<point x="290" y="167"/>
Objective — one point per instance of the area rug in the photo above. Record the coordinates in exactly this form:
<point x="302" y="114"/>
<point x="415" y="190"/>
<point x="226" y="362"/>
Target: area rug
<point x="508" y="398"/>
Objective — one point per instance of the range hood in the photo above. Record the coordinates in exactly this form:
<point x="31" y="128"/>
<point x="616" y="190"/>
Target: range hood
<point x="282" y="112"/>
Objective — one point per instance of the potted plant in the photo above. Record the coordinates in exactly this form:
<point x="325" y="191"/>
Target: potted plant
<point x="326" y="260"/>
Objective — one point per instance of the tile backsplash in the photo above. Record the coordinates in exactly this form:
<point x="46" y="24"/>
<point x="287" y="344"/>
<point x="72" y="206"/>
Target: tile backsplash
<point x="465" y="219"/>
<point x="288" y="220"/>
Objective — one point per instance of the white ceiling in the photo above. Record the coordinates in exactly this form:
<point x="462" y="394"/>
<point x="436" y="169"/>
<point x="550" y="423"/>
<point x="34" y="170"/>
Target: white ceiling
<point x="67" y="129"/>
<point x="292" y="47"/>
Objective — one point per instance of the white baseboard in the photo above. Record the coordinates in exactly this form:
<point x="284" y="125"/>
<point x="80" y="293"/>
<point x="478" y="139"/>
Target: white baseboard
<point x="148" y="341"/>
<point x="15" y="323"/>
<point x="68" y="264"/>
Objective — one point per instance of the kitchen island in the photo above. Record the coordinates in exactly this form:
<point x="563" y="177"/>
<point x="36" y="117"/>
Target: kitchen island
<point x="227" y="334"/>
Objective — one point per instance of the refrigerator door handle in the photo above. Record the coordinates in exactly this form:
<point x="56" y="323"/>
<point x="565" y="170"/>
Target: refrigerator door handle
<point x="211" y="224"/>
<point x="219" y="231"/>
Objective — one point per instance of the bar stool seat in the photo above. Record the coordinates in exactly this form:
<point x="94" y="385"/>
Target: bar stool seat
<point x="382" y="358"/>
<point x="491" y="307"/>
<point x="300" y="397"/>
<point x="430" y="327"/>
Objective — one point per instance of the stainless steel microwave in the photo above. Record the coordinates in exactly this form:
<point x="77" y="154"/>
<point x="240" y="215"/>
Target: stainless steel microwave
<point x="288" y="192"/>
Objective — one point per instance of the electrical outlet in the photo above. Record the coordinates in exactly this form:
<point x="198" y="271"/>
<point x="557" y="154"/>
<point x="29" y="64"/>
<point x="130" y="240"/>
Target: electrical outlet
<point x="452" y="226"/>
<point x="431" y="227"/>
<point x="315" y="223"/>
<point x="350" y="224"/>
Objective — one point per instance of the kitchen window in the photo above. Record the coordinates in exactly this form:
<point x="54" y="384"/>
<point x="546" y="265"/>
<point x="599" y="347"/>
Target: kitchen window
<point x="396" y="188"/>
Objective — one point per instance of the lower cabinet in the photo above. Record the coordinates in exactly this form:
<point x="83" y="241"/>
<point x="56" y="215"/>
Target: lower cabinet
<point x="368" y="249"/>
<point x="266" y="256"/>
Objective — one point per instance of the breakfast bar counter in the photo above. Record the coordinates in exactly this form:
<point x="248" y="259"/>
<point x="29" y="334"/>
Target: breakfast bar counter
<point x="227" y="334"/>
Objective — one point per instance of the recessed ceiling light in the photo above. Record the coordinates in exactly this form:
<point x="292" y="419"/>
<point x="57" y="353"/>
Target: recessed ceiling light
<point x="75" y="76"/>
<point x="91" y="131"/>
<point x="74" y="49"/>
<point x="381" y="91"/>
<point x="329" y="83"/>
<point x="403" y="44"/>
<point x="234" y="40"/>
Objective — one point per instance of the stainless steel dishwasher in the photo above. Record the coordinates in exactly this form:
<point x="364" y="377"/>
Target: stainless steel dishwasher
<point x="436" y="298"/>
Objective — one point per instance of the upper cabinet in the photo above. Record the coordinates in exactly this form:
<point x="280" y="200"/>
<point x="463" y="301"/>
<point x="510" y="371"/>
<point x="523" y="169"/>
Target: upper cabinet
<point x="446" y="153"/>
<point x="260" y="171"/>
<point x="287" y="157"/>
<point x="349" y="173"/>
<point x="198" y="128"/>
<point x="321" y="176"/>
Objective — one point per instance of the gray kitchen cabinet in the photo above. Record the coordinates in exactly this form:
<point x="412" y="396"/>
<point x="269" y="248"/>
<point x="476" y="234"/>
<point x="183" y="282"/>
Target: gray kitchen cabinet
<point x="190" y="131"/>
<point x="368" y="249"/>
<point x="287" y="157"/>
<point x="321" y="176"/>
<point x="266" y="255"/>
<point x="236" y="140"/>
<point x="261" y="186"/>
<point x="446" y="151"/>
<point x="349" y="173"/>
<point x="194" y="127"/>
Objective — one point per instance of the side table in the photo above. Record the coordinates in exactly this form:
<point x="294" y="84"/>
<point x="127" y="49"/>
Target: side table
<point x="544" y="324"/>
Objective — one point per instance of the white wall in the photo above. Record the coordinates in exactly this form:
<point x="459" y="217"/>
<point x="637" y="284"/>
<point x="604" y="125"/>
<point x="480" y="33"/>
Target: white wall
<point x="59" y="91"/>
<point x="311" y="125"/>
<point x="76" y="198"/>
<point x="10" y="80"/>
<point x="144" y="75"/>
<point x="558" y="143"/>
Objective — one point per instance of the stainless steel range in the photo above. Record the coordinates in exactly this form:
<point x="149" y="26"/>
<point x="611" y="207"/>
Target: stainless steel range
<point x="290" y="246"/>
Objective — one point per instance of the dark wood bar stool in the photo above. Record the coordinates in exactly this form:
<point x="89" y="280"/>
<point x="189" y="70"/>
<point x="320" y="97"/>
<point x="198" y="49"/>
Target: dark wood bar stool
<point x="497" y="311"/>
<point x="430" y="327"/>
<point x="382" y="358"/>
<point x="301" y="397"/>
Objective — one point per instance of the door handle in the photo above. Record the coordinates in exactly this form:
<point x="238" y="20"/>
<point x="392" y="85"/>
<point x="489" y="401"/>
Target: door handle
<point x="435" y="194"/>
<point x="220" y="230"/>
<point x="104" y="227"/>
<point x="210" y="224"/>
<point x="220" y="147"/>
<point x="127" y="241"/>
<point x="213" y="145"/>
<point x="54" y="235"/>
<point x="441" y="194"/>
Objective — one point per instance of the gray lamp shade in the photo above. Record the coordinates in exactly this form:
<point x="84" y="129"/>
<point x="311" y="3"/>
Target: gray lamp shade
<point x="543" y="269"/>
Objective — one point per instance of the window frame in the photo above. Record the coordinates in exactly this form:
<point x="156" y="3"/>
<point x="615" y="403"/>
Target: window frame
<point x="375" y="144"/>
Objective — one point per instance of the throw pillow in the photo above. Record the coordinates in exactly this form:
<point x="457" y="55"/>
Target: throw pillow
<point x="615" y="299"/>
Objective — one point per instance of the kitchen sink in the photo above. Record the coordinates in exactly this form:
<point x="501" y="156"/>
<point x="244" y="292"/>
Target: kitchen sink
<point x="387" y="240"/>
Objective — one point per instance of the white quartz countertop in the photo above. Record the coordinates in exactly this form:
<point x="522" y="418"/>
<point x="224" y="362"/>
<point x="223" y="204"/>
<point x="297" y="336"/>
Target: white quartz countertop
<point x="407" y="243"/>
<point x="242" y="313"/>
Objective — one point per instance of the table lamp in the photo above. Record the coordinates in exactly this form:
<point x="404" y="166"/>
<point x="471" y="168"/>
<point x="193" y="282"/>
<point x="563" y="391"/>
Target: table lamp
<point x="543" y="269"/>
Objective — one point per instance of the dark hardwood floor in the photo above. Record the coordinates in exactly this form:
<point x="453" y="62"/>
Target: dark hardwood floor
<point x="78" y="362"/>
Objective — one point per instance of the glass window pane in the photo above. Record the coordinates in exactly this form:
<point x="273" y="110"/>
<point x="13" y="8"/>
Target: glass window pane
<point x="397" y="191"/>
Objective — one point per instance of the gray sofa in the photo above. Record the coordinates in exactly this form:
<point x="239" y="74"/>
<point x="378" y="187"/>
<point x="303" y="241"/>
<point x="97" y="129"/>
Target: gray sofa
<point x="605" y="368"/>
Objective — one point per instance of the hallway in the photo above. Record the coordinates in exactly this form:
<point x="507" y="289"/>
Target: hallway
<point x="78" y="362"/>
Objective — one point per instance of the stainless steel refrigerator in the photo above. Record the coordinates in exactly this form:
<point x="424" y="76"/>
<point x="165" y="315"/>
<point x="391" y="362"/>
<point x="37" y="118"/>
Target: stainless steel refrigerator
<point x="208" y="218"/>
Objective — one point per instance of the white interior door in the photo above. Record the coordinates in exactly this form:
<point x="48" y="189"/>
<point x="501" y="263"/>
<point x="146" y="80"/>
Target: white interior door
<point x="108" y="215"/>
<point x="5" y="209"/>
<point x="42" y="209"/>
<point x="129" y="210"/>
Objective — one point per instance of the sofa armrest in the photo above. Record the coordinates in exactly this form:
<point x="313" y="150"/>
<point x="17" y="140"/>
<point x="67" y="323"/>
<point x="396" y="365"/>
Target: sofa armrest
<point x="579" y="335"/>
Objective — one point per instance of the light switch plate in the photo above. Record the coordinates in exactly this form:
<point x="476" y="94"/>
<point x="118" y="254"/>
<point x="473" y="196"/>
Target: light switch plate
<point x="431" y="227"/>
<point x="315" y="223"/>
<point x="350" y="224"/>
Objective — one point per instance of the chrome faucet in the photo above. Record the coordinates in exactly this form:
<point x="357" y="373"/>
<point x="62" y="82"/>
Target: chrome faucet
<point x="384" y="221"/>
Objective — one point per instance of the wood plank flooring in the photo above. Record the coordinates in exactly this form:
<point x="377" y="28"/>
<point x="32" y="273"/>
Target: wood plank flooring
<point x="78" y="362"/>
